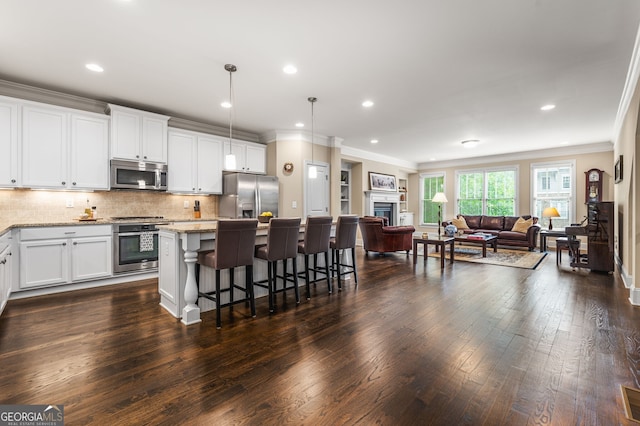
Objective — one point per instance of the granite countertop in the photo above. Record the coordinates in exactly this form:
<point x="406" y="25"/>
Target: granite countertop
<point x="7" y="226"/>
<point x="193" y="228"/>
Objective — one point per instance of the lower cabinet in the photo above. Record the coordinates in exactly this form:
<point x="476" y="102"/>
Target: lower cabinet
<point x="52" y="256"/>
<point x="6" y="269"/>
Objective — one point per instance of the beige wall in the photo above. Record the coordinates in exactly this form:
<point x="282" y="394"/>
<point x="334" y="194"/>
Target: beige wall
<point x="584" y="162"/>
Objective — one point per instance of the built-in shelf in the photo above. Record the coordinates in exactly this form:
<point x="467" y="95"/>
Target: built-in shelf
<point x="345" y="191"/>
<point x="404" y="195"/>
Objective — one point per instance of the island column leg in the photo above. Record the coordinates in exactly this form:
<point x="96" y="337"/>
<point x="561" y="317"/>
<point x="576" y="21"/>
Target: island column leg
<point x="191" y="312"/>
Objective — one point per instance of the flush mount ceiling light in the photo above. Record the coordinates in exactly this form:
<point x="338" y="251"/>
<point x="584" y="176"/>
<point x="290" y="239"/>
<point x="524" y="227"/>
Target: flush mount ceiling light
<point x="230" y="158"/>
<point x="548" y="107"/>
<point x="94" y="67"/>
<point x="367" y="104"/>
<point x="290" y="69"/>
<point x="374" y="141"/>
<point x="313" y="171"/>
<point x="470" y="143"/>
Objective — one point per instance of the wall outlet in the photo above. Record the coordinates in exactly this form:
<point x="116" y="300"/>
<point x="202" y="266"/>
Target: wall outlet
<point x="186" y="204"/>
<point x="69" y="202"/>
<point x="294" y="204"/>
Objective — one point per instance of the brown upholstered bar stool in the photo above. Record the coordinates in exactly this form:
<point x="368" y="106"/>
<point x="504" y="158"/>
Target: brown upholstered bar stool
<point x="282" y="244"/>
<point x="317" y="233"/>
<point x="234" y="246"/>
<point x="345" y="238"/>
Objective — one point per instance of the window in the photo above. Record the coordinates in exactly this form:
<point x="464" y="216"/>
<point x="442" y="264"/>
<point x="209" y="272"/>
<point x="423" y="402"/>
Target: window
<point x="429" y="185"/>
<point x="488" y="192"/>
<point x="553" y="185"/>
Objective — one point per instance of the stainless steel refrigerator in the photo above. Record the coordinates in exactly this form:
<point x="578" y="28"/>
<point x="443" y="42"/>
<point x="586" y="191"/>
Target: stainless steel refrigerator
<point x="246" y="195"/>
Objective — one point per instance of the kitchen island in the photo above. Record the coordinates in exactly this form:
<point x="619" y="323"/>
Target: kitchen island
<point x="179" y="247"/>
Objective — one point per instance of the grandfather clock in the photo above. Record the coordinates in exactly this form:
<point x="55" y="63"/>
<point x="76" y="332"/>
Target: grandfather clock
<point x="593" y="186"/>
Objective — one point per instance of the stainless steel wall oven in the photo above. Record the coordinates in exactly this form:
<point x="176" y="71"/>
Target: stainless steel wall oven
<point x="135" y="247"/>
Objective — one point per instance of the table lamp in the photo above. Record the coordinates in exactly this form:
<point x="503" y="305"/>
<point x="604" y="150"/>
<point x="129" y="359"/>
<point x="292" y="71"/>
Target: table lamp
<point x="550" y="212"/>
<point x="439" y="198"/>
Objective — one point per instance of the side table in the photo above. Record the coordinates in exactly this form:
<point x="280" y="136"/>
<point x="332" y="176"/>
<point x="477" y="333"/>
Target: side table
<point x="439" y="242"/>
<point x="545" y="233"/>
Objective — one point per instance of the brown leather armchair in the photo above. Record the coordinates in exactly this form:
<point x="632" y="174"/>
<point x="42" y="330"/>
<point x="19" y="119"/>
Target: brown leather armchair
<point x="378" y="236"/>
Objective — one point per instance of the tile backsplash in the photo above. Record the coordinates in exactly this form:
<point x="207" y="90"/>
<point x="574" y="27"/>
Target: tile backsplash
<point x="25" y="206"/>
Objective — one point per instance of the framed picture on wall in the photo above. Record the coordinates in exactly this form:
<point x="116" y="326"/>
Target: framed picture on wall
<point x="618" y="170"/>
<point x="382" y="182"/>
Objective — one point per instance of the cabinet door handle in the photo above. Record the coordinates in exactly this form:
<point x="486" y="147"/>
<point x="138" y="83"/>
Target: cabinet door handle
<point x="73" y="183"/>
<point x="75" y="243"/>
<point x="64" y="244"/>
<point x="137" y="156"/>
<point x="3" y="261"/>
<point x="13" y="181"/>
<point x="193" y="189"/>
<point x="64" y="183"/>
<point x="70" y="232"/>
<point x="199" y="189"/>
<point x="145" y="157"/>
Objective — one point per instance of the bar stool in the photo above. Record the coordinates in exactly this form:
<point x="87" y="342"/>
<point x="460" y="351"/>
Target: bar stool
<point x="345" y="238"/>
<point x="234" y="245"/>
<point x="316" y="240"/>
<point x="282" y="244"/>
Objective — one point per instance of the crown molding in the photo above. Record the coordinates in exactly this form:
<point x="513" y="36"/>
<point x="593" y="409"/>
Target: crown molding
<point x="630" y="85"/>
<point x="409" y="166"/>
<point x="296" y="135"/>
<point x="524" y="155"/>
<point x="38" y="94"/>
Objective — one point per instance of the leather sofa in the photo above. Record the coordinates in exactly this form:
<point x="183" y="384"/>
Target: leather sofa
<point x="378" y="236"/>
<point x="501" y="227"/>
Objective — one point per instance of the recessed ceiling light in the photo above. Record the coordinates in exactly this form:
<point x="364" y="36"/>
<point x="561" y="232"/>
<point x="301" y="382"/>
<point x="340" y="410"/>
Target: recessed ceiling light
<point x="564" y="143"/>
<point x="290" y="69"/>
<point x="432" y="159"/>
<point x="299" y="124"/>
<point x="547" y="107"/>
<point x="367" y="104"/>
<point x="470" y="143"/>
<point x="374" y="141"/>
<point x="94" y="67"/>
<point x="225" y="104"/>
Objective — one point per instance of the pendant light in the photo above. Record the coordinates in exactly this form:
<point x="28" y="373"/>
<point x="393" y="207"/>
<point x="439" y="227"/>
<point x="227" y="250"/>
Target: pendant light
<point x="313" y="171"/>
<point x="230" y="158"/>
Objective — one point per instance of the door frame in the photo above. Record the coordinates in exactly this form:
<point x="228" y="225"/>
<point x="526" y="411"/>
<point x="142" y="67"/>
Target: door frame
<point x="307" y="164"/>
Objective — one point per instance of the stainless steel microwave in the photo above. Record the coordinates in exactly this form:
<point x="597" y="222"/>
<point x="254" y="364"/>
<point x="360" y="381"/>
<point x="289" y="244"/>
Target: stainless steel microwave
<point x="138" y="175"/>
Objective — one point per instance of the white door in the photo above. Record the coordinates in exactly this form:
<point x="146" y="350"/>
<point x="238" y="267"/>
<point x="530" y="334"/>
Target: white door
<point x="317" y="191"/>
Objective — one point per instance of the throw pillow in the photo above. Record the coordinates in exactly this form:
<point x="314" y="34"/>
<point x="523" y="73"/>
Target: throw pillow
<point x="522" y="225"/>
<point x="460" y="223"/>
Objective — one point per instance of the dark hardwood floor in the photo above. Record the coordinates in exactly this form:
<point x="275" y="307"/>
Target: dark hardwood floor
<point x="471" y="344"/>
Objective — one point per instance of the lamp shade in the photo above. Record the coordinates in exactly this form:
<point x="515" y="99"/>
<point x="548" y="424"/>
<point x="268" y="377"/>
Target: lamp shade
<point x="550" y="212"/>
<point x="439" y="198"/>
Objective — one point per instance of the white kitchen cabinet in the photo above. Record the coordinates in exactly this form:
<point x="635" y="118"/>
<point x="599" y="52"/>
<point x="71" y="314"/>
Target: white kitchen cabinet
<point x="195" y="164"/>
<point x="9" y="136"/>
<point x="6" y="268"/>
<point x="52" y="256"/>
<point x="250" y="157"/>
<point x="91" y="258"/>
<point x="89" y="146"/>
<point x="64" y="148"/>
<point x="44" y="147"/>
<point x="138" y="135"/>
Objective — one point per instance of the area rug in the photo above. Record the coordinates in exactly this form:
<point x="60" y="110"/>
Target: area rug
<point x="504" y="257"/>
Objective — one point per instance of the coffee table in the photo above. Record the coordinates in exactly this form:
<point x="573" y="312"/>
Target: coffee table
<point x="488" y="240"/>
<point x="437" y="240"/>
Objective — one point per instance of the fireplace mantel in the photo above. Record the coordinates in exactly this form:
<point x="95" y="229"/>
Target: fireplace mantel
<point x="383" y="197"/>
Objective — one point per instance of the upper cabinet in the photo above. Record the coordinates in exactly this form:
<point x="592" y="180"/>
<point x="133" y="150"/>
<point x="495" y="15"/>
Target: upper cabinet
<point x="138" y="135"/>
<point x="9" y="130"/>
<point x="64" y="148"/>
<point x="250" y="157"/>
<point x="195" y="165"/>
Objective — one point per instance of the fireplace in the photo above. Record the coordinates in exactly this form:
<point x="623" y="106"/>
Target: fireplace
<point x="383" y="204"/>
